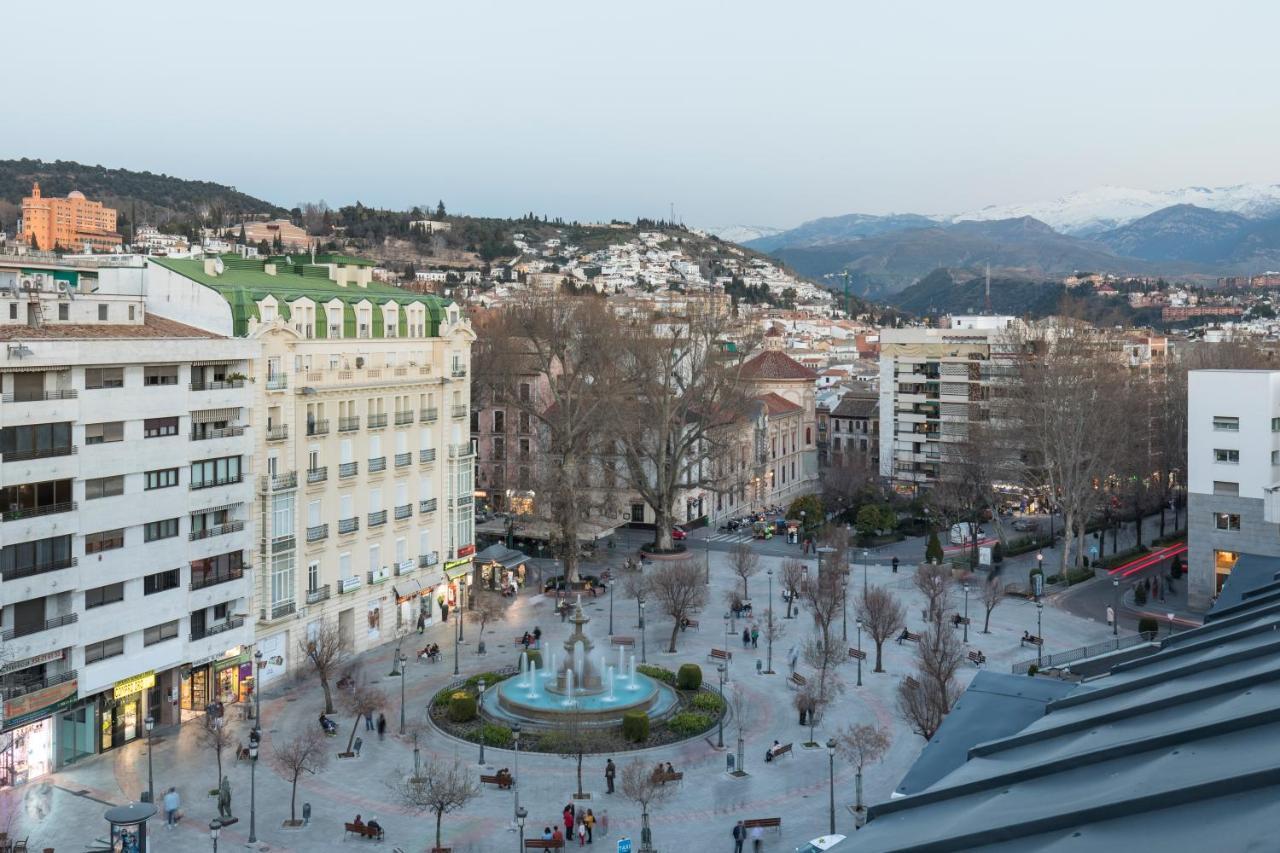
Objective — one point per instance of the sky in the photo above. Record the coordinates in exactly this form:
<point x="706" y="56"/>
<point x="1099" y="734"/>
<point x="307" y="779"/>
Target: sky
<point x="735" y="112"/>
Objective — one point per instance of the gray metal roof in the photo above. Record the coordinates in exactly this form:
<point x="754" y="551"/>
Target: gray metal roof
<point x="1179" y="750"/>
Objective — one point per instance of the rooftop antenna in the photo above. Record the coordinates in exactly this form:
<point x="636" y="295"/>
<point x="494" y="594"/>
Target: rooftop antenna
<point x="988" y="288"/>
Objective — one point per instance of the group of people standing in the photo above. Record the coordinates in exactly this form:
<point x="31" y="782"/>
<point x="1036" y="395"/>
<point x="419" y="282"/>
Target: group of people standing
<point x="750" y="636"/>
<point x="582" y="824"/>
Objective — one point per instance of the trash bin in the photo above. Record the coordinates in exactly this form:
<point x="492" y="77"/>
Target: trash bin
<point x="728" y="760"/>
<point x="759" y="666"/>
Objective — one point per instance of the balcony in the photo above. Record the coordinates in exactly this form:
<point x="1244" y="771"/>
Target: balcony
<point x="210" y="434"/>
<point x="404" y="567"/>
<point x="348" y="525"/>
<point x="403" y="418"/>
<point x="279" y="382"/>
<point x="13" y="691"/>
<point x="459" y="451"/>
<point x="283" y="609"/>
<point x="35" y="511"/>
<point x="41" y="453"/>
<point x="279" y="482"/>
<point x="38" y="568"/>
<point x="458" y="372"/>
<point x="404" y="511"/>
<point x="426" y="416"/>
<point x="216" y="530"/>
<point x="217" y="386"/>
<point x="378" y="575"/>
<point x="215" y="579"/>
<point x="460" y="410"/>
<point x="403" y="459"/>
<point x="277" y="433"/>
<point x="39" y="396"/>
<point x="428" y="455"/>
<point x="348" y="469"/>
<point x="349" y="424"/>
<point x="348" y="584"/>
<point x="428" y="505"/>
<point x="427" y="560"/>
<point x="463" y="500"/>
<point x="317" y="532"/>
<point x="317" y="475"/>
<point x="377" y="464"/>
<point x="320" y="427"/>
<point x="48" y="625"/>
<point x="222" y="481"/>
<point x="377" y="421"/>
<point x="221" y="627"/>
<point x="315" y="596"/>
<point x="377" y="519"/>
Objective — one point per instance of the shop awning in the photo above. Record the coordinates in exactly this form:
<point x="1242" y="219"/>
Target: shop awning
<point x="501" y="554"/>
<point x="406" y="588"/>
<point x="208" y="416"/>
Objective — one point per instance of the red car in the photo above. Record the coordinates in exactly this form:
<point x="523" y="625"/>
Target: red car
<point x="678" y="533"/>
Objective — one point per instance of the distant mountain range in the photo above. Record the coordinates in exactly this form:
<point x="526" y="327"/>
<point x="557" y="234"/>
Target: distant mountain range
<point x="1232" y="230"/>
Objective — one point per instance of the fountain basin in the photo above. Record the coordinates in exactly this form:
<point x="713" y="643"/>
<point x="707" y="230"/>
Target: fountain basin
<point x="509" y="701"/>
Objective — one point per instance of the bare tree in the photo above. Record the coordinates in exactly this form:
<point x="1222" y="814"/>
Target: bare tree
<point x="992" y="595"/>
<point x="934" y="583"/>
<point x="773" y="630"/>
<point x="965" y="491"/>
<point x="360" y="700"/>
<point x="745" y="563"/>
<point x="919" y="706"/>
<point x="849" y="480"/>
<point x="641" y="786"/>
<point x="440" y="789"/>
<point x="742" y="707"/>
<point x="417" y="731"/>
<point x="486" y="607"/>
<point x="937" y="659"/>
<point x="862" y="744"/>
<point x="825" y="684"/>
<point x="883" y="616"/>
<point x="304" y="753"/>
<point x="793" y="577"/>
<point x="327" y="653"/>
<point x="573" y="738"/>
<point x="825" y="597"/>
<point x="214" y="736"/>
<point x="677" y="586"/>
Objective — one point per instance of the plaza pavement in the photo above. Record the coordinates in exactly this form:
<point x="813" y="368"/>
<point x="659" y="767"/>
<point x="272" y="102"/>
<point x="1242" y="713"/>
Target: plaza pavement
<point x="64" y="810"/>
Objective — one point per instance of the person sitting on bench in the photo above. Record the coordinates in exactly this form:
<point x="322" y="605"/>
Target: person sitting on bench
<point x="357" y="821"/>
<point x="375" y="826"/>
<point x="1026" y="636"/>
<point x="329" y="726"/>
<point x="905" y="635"/>
<point x="768" y="753"/>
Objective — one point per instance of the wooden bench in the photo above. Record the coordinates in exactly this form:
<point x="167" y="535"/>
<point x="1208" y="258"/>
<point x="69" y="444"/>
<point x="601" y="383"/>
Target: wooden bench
<point x="519" y="641"/>
<point x="977" y="658"/>
<point x="957" y="620"/>
<point x="721" y="654"/>
<point x="1032" y="639"/>
<point x="764" y="822"/>
<point x="782" y="749"/>
<point x="363" y="831"/>
<point x="857" y="654"/>
<point x="664" y="778"/>
<point x="629" y="642"/>
<point x="543" y="844"/>
<point x="907" y="635"/>
<point x="798" y="680"/>
<point x="689" y="623"/>
<point x="503" y="782"/>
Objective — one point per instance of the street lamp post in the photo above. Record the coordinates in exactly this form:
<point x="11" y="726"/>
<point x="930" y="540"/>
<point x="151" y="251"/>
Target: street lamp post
<point x="612" y="583"/>
<point x="644" y="635"/>
<point x="727" y="617"/>
<point x="1115" y="618"/>
<point x="866" y="559"/>
<point x="831" y="775"/>
<point x="1039" y="633"/>
<point x="859" y="649"/>
<point x="515" y="782"/>
<point x="253" y="785"/>
<point x="521" y="815"/>
<point x="844" y="608"/>
<point x="215" y="827"/>
<point x="458" y="616"/>
<point x="769" y="624"/>
<point x="1039" y="567"/>
<point x="149" y="724"/>
<point x="720" y="740"/>
<point x="1170" y="624"/>
<point x="966" y="613"/>
<point x="402" y="660"/>
<point x="480" y="703"/>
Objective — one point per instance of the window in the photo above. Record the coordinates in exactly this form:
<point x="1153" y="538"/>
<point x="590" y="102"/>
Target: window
<point x="94" y="652"/>
<point x="499" y="421"/>
<point x="13" y="310"/>
<point x="103" y="487"/>
<point x="1230" y="457"/>
<point x="220" y="611"/>
<point x="166" y="529"/>
<point x="1226" y="521"/>
<point x="109" y="594"/>
<point x="103" y="377"/>
<point x="102" y="313"/>
<point x="526" y="392"/>
<point x="313" y="576"/>
<point x="35" y="441"/>
<point x="282" y="515"/>
<point x="160" y="633"/>
<point x="1275" y="424"/>
<point x="215" y="472"/>
<point x="1222" y="423"/>
<point x="158" y="427"/>
<point x="24" y="558"/>
<point x="64" y="311"/>
<point x="105" y="433"/>
<point x="164" y="374"/>
<point x="161" y="479"/>
<point x="223" y="566"/>
<point x="104" y="540"/>
<point x="161" y="581"/>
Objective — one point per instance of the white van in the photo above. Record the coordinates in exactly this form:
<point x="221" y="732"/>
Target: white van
<point x="961" y="533"/>
<point x="823" y="843"/>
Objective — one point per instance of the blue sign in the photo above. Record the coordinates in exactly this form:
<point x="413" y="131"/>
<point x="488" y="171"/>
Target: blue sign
<point x="624" y="845"/>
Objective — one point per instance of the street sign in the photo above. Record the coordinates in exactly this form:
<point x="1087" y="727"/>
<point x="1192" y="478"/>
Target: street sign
<point x="624" y="845"/>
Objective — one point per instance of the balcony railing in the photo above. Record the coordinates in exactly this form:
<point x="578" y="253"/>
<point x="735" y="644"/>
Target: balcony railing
<point x="278" y="433"/>
<point x="377" y="519"/>
<point x="428" y="560"/>
<point x="216" y="530"/>
<point x="221" y="627"/>
<point x="429" y="505"/>
<point x="38" y="568"/>
<point x="34" y="511"/>
<point x="429" y="415"/>
<point x="279" y="482"/>
<point x="317" y="532"/>
<point x="377" y="464"/>
<point x="403" y="418"/>
<point x="403" y="459"/>
<point x="278" y="382"/>
<point x="318" y="594"/>
<point x="427" y="455"/>
<point x="348" y="525"/>
<point x="13" y="691"/>
<point x="458" y="451"/>
<point x="377" y="421"/>
<point x="404" y="511"/>
<point x="320" y="427"/>
<point x="48" y="625"/>
<point x="217" y="386"/>
<point x="460" y="410"/>
<point x="463" y="500"/>
<point x="41" y="453"/>
<point x="39" y="396"/>
<point x="215" y="579"/>
<point x="348" y="424"/>
<point x="222" y="481"/>
<point x="225" y="432"/>
<point x="348" y="469"/>
<point x="318" y="475"/>
<point x="283" y="609"/>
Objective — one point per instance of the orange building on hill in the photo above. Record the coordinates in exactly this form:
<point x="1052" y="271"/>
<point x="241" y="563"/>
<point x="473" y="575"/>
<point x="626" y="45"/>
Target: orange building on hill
<point x="69" y="223"/>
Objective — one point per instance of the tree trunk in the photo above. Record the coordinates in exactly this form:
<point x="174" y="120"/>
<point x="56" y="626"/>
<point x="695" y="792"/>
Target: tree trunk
<point x="218" y="753"/>
<point x="351" y="740"/>
<point x="1068" y="523"/>
<point x="879" y="666"/>
<point x="1162" y="506"/>
<point x="986" y="623"/>
<point x="1137" y="527"/>
<point x="328" y="696"/>
<point x="293" y="801"/>
<point x="439" y="818"/>
<point x="662" y="540"/>
<point x="858" y="787"/>
<point x="579" y="775"/>
<point x="675" y="631"/>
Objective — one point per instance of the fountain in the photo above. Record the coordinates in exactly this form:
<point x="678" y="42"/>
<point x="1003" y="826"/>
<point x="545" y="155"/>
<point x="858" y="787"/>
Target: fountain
<point x="577" y="681"/>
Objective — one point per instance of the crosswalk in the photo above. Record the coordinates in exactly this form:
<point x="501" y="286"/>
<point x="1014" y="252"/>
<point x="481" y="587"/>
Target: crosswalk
<point x="730" y="537"/>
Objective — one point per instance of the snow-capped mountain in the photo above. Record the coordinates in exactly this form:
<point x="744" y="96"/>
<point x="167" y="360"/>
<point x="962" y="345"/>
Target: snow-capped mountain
<point x="1103" y="208"/>
<point x="743" y="233"/>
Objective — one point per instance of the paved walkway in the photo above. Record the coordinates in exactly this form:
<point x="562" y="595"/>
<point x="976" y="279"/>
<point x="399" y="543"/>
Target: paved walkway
<point x="702" y="812"/>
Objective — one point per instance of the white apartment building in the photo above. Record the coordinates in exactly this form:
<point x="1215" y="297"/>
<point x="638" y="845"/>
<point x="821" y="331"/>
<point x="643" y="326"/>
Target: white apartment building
<point x="125" y="500"/>
<point x="363" y="462"/>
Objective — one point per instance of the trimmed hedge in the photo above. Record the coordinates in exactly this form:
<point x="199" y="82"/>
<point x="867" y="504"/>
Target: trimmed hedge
<point x="1025" y="545"/>
<point x="688" y="723"/>
<point x="492" y="735"/>
<point x="635" y="726"/>
<point x="689" y="676"/>
<point x="462" y="707"/>
<point x="709" y="702"/>
<point x="490" y="679"/>
<point x="1119" y="559"/>
<point x="662" y="674"/>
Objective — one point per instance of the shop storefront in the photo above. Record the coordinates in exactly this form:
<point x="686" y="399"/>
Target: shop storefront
<point x="500" y="569"/>
<point x="121" y="712"/>
<point x="413" y="602"/>
<point x="27" y="742"/>
<point x="458" y="577"/>
<point x="227" y="679"/>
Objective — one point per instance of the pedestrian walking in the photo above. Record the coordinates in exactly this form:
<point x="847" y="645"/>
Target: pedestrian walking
<point x="368" y="721"/>
<point x="604" y="823"/>
<point x="792" y="658"/>
<point x="757" y="839"/>
<point x="589" y="821"/>
<point x="382" y="726"/>
<point x="739" y="835"/>
<point x="610" y="770"/>
<point x="755" y="637"/>
<point x="171" y="804"/>
<point x="746" y="636"/>
<point x="568" y="821"/>
<point x="422" y="621"/>
<point x="582" y="833"/>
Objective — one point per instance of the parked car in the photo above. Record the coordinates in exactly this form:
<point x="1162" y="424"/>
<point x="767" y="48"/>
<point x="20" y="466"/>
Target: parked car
<point x="962" y="533"/>
<point x="820" y="844"/>
<point x="1026" y="525"/>
<point x="678" y="533"/>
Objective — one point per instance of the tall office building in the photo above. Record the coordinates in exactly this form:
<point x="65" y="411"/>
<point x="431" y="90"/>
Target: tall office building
<point x="73" y="223"/>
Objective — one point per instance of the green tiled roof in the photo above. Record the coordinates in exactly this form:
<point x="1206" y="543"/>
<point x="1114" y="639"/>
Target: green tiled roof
<point x="244" y="282"/>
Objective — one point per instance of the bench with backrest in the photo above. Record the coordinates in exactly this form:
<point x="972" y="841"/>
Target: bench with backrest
<point x="764" y="822"/>
<point x="497" y="779"/>
<point x="977" y="658"/>
<point x="1032" y="639"/>
<point x="664" y="778"/>
<point x="363" y="831"/>
<point x="689" y="623"/>
<point x="798" y="680"/>
<point x="629" y="642"/>
<point x="857" y="654"/>
<point x="543" y="844"/>
<point x="957" y="620"/>
<point x="782" y="749"/>
<point x="721" y="654"/>
<point x="908" y="636"/>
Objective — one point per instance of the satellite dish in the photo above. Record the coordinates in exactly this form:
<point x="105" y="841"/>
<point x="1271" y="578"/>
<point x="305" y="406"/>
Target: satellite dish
<point x="218" y="266"/>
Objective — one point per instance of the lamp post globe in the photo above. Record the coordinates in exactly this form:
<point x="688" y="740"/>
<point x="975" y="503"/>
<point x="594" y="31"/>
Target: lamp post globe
<point x="480" y="704"/>
<point x="831" y="776"/>
<point x="149" y="724"/>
